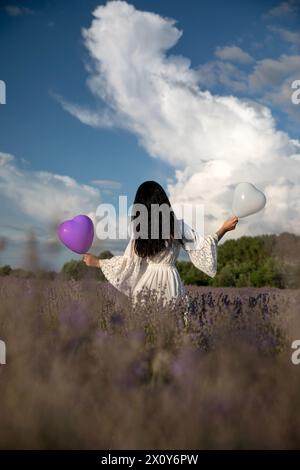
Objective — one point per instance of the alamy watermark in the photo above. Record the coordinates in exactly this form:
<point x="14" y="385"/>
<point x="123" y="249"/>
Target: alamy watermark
<point x="2" y="92"/>
<point x="295" y="97"/>
<point x="2" y="352"/>
<point x="139" y="221"/>
<point x="295" y="357"/>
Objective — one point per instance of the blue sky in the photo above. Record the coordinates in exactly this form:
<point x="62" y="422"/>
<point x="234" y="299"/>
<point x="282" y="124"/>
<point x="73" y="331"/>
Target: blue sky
<point x="241" y="50"/>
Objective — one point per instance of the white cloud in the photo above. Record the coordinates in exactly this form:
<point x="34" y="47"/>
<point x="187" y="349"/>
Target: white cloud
<point x="36" y="201"/>
<point x="271" y="72"/>
<point x="225" y="73"/>
<point x="42" y="196"/>
<point x="265" y="73"/>
<point x="212" y="141"/>
<point x="107" y="184"/>
<point x="86" y="116"/>
<point x="13" y="10"/>
<point x="269" y="80"/>
<point x="286" y="34"/>
<point x="272" y="79"/>
<point x="284" y="8"/>
<point x="234" y="54"/>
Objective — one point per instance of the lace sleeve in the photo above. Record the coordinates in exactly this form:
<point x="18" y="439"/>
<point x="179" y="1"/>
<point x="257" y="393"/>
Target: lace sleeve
<point x="201" y="250"/>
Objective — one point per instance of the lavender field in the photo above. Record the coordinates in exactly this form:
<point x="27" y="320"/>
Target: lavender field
<point x="85" y="369"/>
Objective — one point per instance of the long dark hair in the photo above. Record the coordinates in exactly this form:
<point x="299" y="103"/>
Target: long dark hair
<point x="151" y="194"/>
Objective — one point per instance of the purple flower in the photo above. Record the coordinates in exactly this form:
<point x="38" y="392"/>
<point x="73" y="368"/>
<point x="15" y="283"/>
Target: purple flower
<point x="117" y="319"/>
<point x="74" y="318"/>
<point x="183" y="364"/>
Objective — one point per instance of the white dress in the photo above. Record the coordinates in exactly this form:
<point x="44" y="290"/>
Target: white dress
<point x="132" y="274"/>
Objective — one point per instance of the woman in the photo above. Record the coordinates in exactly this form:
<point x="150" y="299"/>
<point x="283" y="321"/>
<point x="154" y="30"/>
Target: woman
<point x="149" y="261"/>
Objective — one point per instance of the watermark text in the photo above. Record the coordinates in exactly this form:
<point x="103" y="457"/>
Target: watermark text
<point x="296" y="94"/>
<point x="2" y="352"/>
<point x="2" y="92"/>
<point x="295" y="357"/>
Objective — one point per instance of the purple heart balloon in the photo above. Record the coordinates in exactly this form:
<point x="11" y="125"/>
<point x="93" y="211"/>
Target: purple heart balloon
<point x="77" y="234"/>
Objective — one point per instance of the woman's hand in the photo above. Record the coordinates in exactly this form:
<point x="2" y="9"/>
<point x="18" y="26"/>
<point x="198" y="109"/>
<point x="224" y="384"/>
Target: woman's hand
<point x="228" y="225"/>
<point x="91" y="260"/>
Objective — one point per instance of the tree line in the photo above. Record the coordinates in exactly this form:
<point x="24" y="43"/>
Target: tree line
<point x="265" y="260"/>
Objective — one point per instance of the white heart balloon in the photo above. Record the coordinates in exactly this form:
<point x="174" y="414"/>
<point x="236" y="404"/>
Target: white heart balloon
<point x="247" y="200"/>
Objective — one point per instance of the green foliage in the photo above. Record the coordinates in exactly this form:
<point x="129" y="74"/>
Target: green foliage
<point x="22" y="273"/>
<point x="191" y="275"/>
<point x="74" y="269"/>
<point x="5" y="270"/>
<point x="77" y="269"/>
<point x="266" y="260"/>
<point x="105" y="255"/>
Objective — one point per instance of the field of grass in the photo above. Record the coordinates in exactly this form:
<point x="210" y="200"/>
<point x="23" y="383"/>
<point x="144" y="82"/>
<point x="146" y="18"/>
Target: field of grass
<point x="87" y="370"/>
